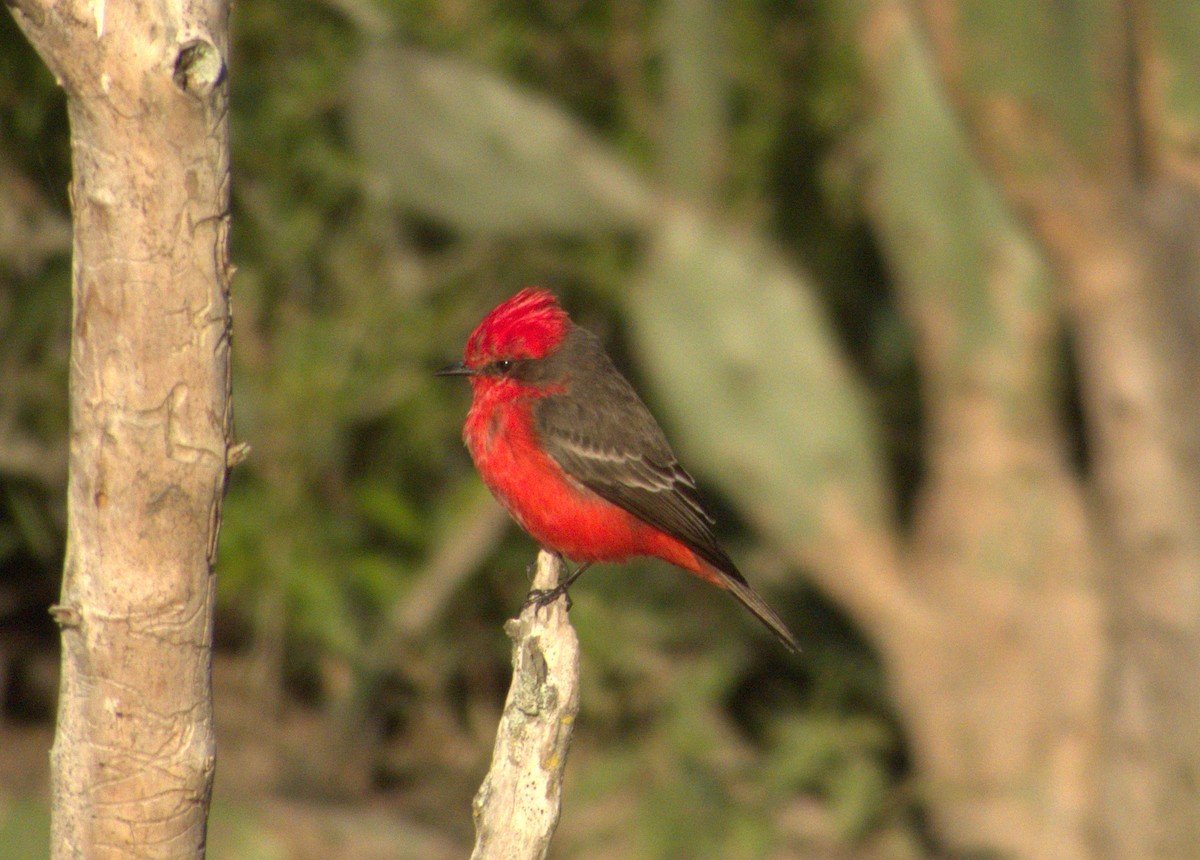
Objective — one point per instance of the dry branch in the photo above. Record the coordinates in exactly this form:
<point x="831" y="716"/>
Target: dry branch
<point x="517" y="807"/>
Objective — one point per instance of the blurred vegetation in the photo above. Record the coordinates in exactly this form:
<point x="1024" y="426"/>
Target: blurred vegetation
<point x="362" y="568"/>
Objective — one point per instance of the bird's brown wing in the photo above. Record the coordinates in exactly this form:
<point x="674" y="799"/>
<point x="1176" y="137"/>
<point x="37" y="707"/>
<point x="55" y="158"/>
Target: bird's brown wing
<point x="634" y="469"/>
<point x="602" y="435"/>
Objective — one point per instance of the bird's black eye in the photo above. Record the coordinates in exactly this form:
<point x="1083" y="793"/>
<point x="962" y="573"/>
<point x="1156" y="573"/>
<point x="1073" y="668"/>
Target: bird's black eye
<point x="504" y="365"/>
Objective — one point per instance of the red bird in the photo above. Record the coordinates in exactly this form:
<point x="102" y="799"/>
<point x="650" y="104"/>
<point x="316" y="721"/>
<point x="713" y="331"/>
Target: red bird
<point x="567" y="447"/>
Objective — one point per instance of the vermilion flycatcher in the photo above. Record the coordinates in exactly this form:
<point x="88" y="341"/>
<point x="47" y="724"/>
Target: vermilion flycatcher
<point x="567" y="447"/>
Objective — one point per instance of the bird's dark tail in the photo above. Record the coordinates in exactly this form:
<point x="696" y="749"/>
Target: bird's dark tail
<point x="749" y="598"/>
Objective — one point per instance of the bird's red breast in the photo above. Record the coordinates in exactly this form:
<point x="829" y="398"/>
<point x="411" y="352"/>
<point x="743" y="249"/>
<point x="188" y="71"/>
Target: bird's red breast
<point x="556" y="510"/>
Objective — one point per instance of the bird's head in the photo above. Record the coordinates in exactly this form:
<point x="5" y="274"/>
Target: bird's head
<point x="528" y="327"/>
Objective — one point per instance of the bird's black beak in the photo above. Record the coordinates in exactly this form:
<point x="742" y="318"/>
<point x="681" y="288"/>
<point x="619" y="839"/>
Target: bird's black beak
<point x="456" y="369"/>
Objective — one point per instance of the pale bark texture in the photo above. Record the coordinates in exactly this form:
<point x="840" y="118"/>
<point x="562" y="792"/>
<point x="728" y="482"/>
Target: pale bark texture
<point x="517" y="807"/>
<point x="133" y="758"/>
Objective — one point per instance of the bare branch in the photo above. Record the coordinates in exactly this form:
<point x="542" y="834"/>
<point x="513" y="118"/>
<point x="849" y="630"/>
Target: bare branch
<point x="517" y="807"/>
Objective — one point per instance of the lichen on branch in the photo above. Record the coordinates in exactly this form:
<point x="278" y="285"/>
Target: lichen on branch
<point x="517" y="807"/>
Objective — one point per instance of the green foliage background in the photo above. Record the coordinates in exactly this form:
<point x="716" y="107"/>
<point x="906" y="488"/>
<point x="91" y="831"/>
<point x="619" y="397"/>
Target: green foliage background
<point x="698" y="737"/>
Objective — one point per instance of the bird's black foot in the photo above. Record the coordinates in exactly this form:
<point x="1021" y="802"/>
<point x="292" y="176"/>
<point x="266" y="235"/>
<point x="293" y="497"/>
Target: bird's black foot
<point x="543" y="597"/>
<point x="540" y="598"/>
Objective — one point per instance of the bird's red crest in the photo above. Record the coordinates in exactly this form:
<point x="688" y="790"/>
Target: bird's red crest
<point x="529" y="325"/>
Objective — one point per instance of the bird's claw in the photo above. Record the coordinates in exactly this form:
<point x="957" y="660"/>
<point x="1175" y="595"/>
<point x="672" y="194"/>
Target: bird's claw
<point x="540" y="598"/>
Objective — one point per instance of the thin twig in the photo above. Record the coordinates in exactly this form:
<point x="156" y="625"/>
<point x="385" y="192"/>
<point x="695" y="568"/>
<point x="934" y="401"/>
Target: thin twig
<point x="517" y="807"/>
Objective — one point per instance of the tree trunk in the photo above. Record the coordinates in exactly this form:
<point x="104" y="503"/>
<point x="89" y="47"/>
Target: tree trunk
<point x="133" y="758"/>
<point x="1088" y="126"/>
<point x="987" y="614"/>
<point x="1000" y="688"/>
<point x="1136" y="398"/>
